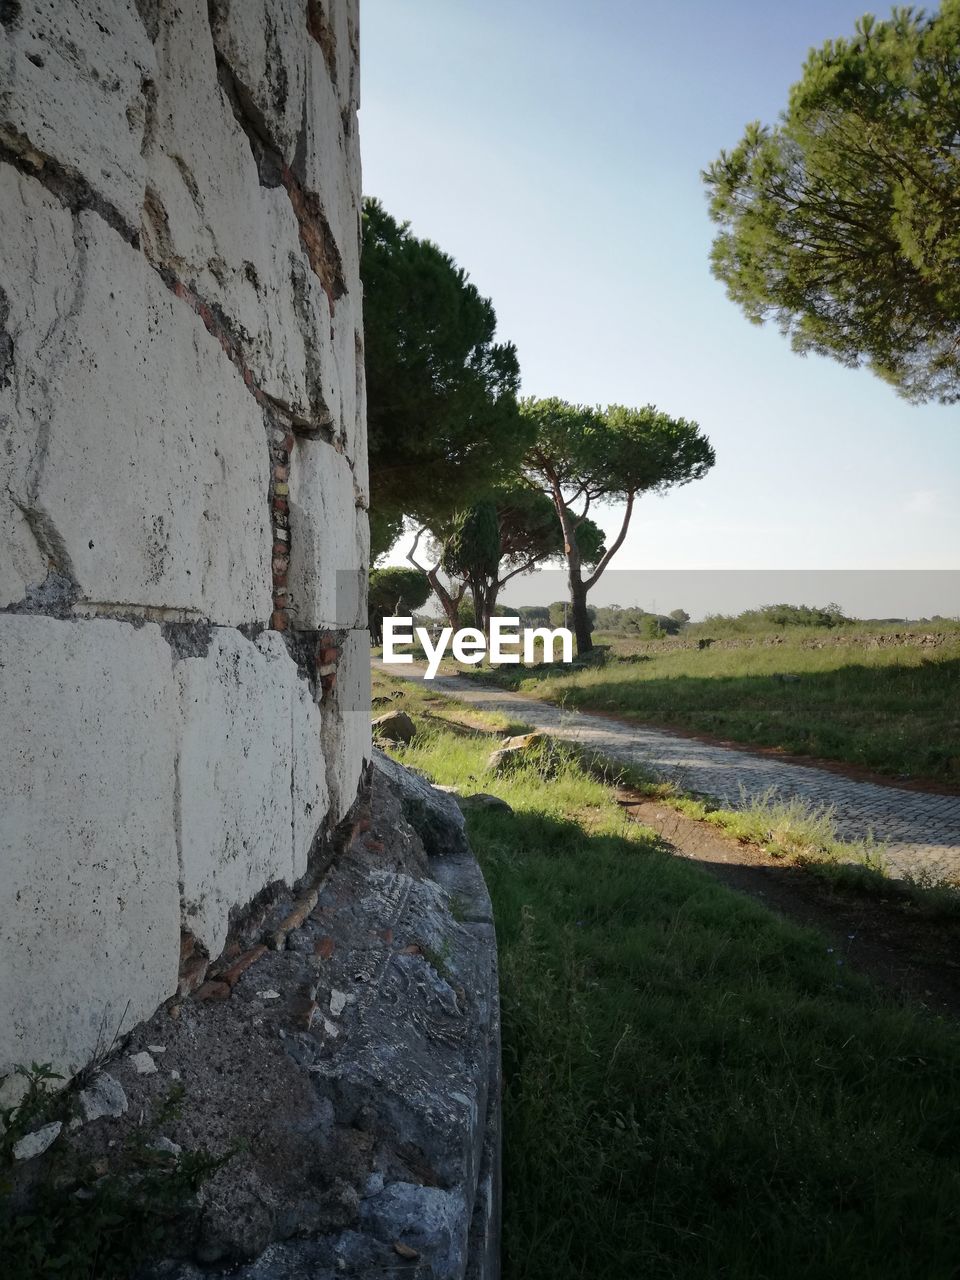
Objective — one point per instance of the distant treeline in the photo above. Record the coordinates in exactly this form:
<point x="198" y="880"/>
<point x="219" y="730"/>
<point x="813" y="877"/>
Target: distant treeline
<point x="616" y="620"/>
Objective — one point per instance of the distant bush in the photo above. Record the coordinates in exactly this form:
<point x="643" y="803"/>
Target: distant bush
<point x="777" y="617"/>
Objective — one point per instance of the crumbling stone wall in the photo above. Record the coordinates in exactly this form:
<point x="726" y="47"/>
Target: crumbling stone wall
<point x="183" y="484"/>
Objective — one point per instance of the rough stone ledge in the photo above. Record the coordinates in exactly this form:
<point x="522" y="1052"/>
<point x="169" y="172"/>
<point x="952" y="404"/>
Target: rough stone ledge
<point x="359" y="1067"/>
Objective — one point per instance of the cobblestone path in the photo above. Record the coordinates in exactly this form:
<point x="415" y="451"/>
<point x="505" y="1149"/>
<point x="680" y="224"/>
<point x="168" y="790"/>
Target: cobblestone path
<point x="920" y="831"/>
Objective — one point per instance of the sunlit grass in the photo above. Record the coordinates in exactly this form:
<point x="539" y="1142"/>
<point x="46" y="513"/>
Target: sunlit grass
<point x="693" y="1086"/>
<point x="894" y="709"/>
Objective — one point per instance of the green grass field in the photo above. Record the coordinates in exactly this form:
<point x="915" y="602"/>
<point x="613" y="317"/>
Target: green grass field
<point x="893" y="709"/>
<point x="693" y="1087"/>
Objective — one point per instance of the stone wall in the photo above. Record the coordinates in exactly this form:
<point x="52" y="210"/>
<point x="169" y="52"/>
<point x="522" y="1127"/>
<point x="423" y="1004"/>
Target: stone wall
<point x="183" y="489"/>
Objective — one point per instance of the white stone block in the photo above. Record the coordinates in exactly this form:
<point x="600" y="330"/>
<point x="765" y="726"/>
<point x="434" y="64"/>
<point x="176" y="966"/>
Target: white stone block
<point x="138" y="454"/>
<point x="89" y="905"/>
<point x="346" y="723"/>
<point x="72" y="89"/>
<point x="311" y="799"/>
<point x="265" y="47"/>
<point x="329" y="540"/>
<point x="209" y="220"/>
<point x="33" y="298"/>
<point x="234" y="769"/>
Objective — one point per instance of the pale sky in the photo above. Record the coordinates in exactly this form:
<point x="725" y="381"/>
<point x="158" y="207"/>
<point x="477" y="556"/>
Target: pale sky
<point x="554" y="149"/>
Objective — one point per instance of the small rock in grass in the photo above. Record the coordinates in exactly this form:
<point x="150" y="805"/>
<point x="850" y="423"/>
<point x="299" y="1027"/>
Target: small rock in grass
<point x="34" y="1144"/>
<point x="513" y="751"/>
<point x="395" y="726"/>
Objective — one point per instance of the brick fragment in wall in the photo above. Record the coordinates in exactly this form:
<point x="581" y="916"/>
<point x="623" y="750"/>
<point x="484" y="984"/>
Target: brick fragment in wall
<point x="89" y="907"/>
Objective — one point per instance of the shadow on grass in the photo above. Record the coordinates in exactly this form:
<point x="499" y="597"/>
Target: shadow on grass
<point x="694" y="1087"/>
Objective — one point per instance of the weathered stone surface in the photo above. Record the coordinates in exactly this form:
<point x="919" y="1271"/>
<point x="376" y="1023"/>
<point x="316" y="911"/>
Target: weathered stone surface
<point x="514" y="751"/>
<point x="89" y="921"/>
<point x="434" y="814"/>
<point x="346" y="723"/>
<point x="180" y="312"/>
<point x="431" y="1222"/>
<point x="395" y="726"/>
<point x="326" y="528"/>
<point x="104" y="1096"/>
<point x="366" y="1131"/>
<point x="210" y="220"/>
<point x="34" y="1144"/>
<point x="73" y="89"/>
<point x="477" y="800"/>
<point x="234" y="768"/>
<point x="266" y="48"/>
<point x="310" y="796"/>
<point x="36" y="229"/>
<point x="146" y="489"/>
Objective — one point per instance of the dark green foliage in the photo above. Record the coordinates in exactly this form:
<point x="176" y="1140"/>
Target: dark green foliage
<point x="441" y="391"/>
<point x="842" y="222"/>
<point x="775" y="617"/>
<point x="394" y="590"/>
<point x="612" y="618"/>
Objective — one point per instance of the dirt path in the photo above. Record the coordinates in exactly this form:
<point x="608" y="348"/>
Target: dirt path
<point x="920" y="830"/>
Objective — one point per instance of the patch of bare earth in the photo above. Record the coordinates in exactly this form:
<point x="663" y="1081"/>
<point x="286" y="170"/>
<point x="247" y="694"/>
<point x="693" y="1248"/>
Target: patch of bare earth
<point x="917" y="956"/>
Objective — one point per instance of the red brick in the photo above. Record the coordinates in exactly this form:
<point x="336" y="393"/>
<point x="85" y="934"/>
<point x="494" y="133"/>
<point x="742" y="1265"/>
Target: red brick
<point x="324" y="948"/>
<point x="278" y="621"/>
<point x="230" y="976"/>
<point x="213" y="991"/>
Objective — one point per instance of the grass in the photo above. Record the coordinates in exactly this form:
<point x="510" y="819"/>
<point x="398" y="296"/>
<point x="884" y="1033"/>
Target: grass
<point x="693" y="1086"/>
<point x="892" y="709"/>
<point x="806" y="836"/>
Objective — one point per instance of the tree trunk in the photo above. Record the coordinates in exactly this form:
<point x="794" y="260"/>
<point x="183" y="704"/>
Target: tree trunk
<point x="451" y="604"/>
<point x="578" y="589"/>
<point x="581" y="618"/>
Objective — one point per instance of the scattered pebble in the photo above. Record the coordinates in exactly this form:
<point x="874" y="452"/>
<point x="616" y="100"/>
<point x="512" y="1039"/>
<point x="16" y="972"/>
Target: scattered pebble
<point x="103" y="1097"/>
<point x="34" y="1144"/>
<point x="143" y="1064"/>
<point x="157" y="1048"/>
<point x="269" y="995"/>
<point x="338" y="1002"/>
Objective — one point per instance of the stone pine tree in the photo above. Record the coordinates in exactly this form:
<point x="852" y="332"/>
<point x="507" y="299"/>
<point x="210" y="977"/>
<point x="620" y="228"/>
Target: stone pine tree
<point x="511" y="531"/>
<point x="394" y="590"/>
<point x="507" y="534"/>
<point x="441" y="390"/>
<point x="582" y="457"/>
<point x="842" y="222"/>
